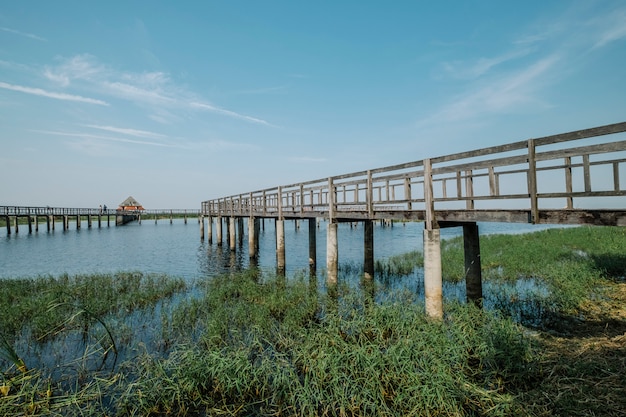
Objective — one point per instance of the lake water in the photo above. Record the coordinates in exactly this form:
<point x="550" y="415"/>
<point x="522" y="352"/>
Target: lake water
<point x="176" y="249"/>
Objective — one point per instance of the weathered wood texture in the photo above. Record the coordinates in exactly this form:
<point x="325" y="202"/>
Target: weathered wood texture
<point x="571" y="178"/>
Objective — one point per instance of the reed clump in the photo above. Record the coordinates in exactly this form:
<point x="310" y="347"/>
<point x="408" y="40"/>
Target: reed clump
<point x="273" y="347"/>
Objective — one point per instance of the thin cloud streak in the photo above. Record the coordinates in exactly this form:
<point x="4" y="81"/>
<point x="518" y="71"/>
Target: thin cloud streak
<point x="49" y="94"/>
<point x="24" y="34"/>
<point x="151" y="88"/>
<point x="107" y="138"/>
<point x="127" y="131"/>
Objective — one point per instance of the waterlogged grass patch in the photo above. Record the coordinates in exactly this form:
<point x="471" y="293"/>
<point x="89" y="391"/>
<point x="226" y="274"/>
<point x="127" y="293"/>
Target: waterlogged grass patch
<point x="272" y="347"/>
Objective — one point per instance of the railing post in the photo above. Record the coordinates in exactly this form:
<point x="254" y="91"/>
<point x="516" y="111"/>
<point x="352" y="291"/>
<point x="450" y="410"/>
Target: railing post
<point x="332" y="255"/>
<point x="532" y="182"/>
<point x="280" y="236"/>
<point x="369" y="196"/>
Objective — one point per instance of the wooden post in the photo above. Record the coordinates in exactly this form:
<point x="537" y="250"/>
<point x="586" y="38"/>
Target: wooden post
<point x="202" y="228"/>
<point x="532" y="182"/>
<point x="368" y="265"/>
<point x="209" y="224"/>
<point x="36" y="223"/>
<point x="433" y="286"/>
<point x="332" y="254"/>
<point x="89" y="221"/>
<point x="30" y="224"/>
<point x="78" y="221"/>
<point x="240" y="230"/>
<point x="473" y="276"/>
<point x="280" y="236"/>
<point x="312" y="246"/>
<point x="171" y="217"/>
<point x="48" y="218"/>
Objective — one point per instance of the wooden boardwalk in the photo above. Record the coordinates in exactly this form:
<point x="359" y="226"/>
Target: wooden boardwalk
<point x="570" y="178"/>
<point x="12" y="214"/>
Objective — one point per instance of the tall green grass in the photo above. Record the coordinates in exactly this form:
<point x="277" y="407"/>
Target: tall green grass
<point x="271" y="347"/>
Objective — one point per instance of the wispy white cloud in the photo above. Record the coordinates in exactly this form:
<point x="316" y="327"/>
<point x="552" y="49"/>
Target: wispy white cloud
<point x="154" y="89"/>
<point x="518" y="79"/>
<point x="127" y="131"/>
<point x="82" y="135"/>
<point x="51" y="94"/>
<point x="214" y="109"/>
<point x="307" y="159"/>
<point x="24" y="34"/>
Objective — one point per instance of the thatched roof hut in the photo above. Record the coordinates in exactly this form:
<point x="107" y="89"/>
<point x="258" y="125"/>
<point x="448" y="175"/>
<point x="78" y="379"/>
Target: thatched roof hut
<point x="130" y="204"/>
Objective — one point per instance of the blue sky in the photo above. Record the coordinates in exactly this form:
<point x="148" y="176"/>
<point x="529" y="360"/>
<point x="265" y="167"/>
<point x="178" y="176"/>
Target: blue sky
<point x="179" y="102"/>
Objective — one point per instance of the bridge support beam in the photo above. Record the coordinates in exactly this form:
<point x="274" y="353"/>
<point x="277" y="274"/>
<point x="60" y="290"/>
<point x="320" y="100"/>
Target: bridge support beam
<point x="209" y="224"/>
<point x="312" y="246"/>
<point x="280" y="247"/>
<point x="231" y="233"/>
<point x="473" y="276"/>
<point x="432" y="273"/>
<point x="332" y="254"/>
<point x="368" y="261"/>
<point x="218" y="227"/>
<point x="252" y="239"/>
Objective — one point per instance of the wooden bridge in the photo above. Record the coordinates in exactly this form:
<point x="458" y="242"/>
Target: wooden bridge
<point x="569" y="178"/>
<point x="12" y="214"/>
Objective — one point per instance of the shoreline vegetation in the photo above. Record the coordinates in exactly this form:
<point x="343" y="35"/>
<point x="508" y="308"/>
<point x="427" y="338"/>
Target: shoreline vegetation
<point x="249" y="343"/>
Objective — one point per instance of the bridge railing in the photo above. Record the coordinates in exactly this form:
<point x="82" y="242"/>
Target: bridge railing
<point x="538" y="173"/>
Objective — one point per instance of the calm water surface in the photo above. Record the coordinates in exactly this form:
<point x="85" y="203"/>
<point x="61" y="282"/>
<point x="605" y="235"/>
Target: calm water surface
<point x="176" y="248"/>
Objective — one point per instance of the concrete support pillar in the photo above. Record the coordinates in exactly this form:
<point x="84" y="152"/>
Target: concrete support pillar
<point x="202" y="228"/>
<point x="231" y="233"/>
<point x="30" y="225"/>
<point x="77" y="221"/>
<point x="7" y="220"/>
<point x="48" y="221"/>
<point x="108" y="221"/>
<point x="89" y="221"/>
<point x="16" y="226"/>
<point x="209" y="231"/>
<point x="66" y="222"/>
<point x="36" y="223"/>
<point x="53" y="222"/>
<point x="280" y="247"/>
<point x="218" y="227"/>
<point x="99" y="221"/>
<point x="251" y="238"/>
<point x="368" y="252"/>
<point x="312" y="246"/>
<point x="240" y="230"/>
<point x="473" y="275"/>
<point x="432" y="273"/>
<point x="332" y="254"/>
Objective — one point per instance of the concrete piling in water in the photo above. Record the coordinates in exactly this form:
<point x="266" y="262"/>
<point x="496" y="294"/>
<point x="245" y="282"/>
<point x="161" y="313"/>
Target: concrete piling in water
<point x="432" y="273"/>
<point x="251" y="237"/>
<point x="368" y="250"/>
<point x="218" y="230"/>
<point x="332" y="254"/>
<point x="209" y="225"/>
<point x="231" y="233"/>
<point x="473" y="275"/>
<point x="280" y="247"/>
<point x="312" y="246"/>
<point x="202" y="228"/>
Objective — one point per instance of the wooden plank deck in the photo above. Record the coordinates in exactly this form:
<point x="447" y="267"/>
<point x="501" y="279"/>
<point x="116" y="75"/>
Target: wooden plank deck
<point x="570" y="178"/>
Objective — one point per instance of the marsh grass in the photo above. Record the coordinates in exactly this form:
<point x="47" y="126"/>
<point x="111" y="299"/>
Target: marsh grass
<point x="251" y="343"/>
<point x="273" y="347"/>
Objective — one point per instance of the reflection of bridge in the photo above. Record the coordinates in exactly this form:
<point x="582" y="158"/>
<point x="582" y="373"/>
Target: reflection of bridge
<point x="570" y="178"/>
<point x="12" y="214"/>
